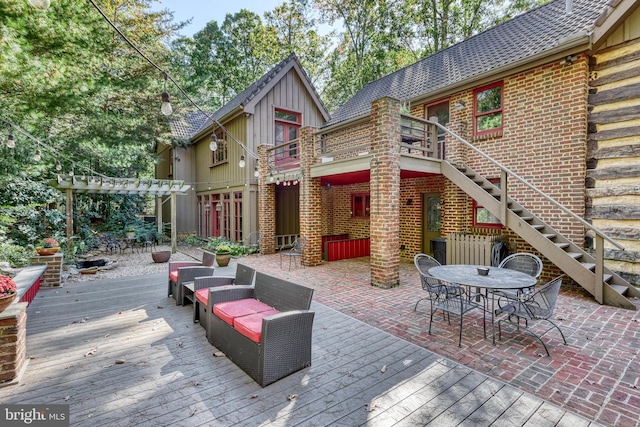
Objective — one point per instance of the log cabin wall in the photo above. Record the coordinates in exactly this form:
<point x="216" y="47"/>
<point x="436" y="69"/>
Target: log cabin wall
<point x="613" y="148"/>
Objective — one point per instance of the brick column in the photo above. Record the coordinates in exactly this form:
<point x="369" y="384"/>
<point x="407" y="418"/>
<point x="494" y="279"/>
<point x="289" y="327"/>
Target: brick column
<point x="13" y="342"/>
<point x="51" y="277"/>
<point x="310" y="201"/>
<point x="266" y="204"/>
<point x="385" y="193"/>
<point x="455" y="218"/>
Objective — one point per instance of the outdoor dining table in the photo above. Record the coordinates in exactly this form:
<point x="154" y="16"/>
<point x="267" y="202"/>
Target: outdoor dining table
<point x="496" y="279"/>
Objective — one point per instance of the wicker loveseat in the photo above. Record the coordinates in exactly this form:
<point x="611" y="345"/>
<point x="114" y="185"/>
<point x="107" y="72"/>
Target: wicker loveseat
<point x="264" y="329"/>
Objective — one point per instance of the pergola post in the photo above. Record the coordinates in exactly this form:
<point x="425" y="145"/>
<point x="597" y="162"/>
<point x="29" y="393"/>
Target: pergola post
<point x="174" y="236"/>
<point x="69" y="209"/>
<point x="159" y="215"/>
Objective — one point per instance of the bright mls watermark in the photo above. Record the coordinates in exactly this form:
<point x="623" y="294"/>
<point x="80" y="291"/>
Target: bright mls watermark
<point x="35" y="415"/>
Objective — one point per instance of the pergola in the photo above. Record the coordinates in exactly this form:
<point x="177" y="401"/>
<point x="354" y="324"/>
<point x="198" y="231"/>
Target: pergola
<point x="106" y="185"/>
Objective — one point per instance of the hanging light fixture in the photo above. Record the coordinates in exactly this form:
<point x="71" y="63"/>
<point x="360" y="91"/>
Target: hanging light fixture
<point x="242" y="163"/>
<point x="38" y="156"/>
<point x="71" y="173"/>
<point x="40" y="4"/>
<point x="166" y="108"/>
<point x="58" y="166"/>
<point x="256" y="173"/>
<point x="11" y="141"/>
<point x="213" y="145"/>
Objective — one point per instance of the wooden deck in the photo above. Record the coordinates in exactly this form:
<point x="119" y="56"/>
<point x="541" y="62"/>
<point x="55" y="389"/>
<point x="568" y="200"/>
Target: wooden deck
<point x="169" y="376"/>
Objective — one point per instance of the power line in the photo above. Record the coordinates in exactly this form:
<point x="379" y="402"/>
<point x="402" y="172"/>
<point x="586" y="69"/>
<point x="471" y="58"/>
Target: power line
<point x="171" y="79"/>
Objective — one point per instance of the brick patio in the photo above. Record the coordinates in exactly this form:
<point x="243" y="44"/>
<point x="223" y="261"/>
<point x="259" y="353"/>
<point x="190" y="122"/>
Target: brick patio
<point x="597" y="375"/>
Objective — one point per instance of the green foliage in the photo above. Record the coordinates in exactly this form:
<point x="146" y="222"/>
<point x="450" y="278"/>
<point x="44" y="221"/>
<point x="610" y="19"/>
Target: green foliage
<point x="221" y="244"/>
<point x="16" y="256"/>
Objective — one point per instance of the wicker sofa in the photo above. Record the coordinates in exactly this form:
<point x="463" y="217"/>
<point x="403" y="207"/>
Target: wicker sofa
<point x="264" y="329"/>
<point x="186" y="271"/>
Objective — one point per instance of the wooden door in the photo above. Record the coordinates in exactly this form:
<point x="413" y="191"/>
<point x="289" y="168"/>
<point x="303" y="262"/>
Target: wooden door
<point x="431" y="220"/>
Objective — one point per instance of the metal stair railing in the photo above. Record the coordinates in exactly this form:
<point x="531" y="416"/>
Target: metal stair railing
<point x="600" y="236"/>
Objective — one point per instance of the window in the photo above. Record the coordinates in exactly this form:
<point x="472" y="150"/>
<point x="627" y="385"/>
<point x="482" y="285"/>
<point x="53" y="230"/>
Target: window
<point x="220" y="155"/>
<point x="484" y="218"/>
<point x="287" y="127"/>
<point x="360" y="205"/>
<point x="488" y="109"/>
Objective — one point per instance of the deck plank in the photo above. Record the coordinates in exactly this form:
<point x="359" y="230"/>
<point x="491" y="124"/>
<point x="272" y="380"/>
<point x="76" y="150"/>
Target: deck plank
<point x="360" y="375"/>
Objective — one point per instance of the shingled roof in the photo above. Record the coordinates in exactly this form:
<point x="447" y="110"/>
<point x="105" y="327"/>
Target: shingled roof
<point x="530" y="34"/>
<point x="190" y="125"/>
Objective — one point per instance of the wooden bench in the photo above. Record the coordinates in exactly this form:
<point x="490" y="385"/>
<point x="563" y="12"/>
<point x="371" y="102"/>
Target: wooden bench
<point x="268" y="331"/>
<point x="28" y="282"/>
<point x="349" y="248"/>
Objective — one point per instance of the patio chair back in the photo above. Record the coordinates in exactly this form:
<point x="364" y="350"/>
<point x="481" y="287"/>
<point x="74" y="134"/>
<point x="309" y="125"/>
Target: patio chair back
<point x="523" y="262"/>
<point x="253" y="239"/>
<point x="424" y="262"/>
<point x="208" y="259"/>
<point x="245" y="275"/>
<point x="297" y="250"/>
<point x="538" y="305"/>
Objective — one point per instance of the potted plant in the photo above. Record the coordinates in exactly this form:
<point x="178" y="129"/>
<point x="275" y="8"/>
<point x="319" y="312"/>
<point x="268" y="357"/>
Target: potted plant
<point x="223" y="254"/>
<point x="47" y="246"/>
<point x="8" y="291"/>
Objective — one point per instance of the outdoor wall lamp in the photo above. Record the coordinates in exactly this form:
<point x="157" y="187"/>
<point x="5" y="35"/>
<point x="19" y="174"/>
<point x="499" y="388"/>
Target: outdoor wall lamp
<point x="459" y="105"/>
<point x="213" y="145"/>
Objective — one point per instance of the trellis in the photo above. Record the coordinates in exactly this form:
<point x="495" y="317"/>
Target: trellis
<point x="131" y="186"/>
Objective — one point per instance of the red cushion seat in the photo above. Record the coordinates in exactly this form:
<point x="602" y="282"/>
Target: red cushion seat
<point x="173" y="276"/>
<point x="202" y="295"/>
<point x="228" y="311"/>
<point x="251" y="325"/>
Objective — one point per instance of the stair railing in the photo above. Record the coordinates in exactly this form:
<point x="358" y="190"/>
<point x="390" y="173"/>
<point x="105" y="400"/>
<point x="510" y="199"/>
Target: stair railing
<point x="600" y="235"/>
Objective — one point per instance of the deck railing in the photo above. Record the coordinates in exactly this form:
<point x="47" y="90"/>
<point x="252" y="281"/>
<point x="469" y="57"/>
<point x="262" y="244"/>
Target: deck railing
<point x="284" y="156"/>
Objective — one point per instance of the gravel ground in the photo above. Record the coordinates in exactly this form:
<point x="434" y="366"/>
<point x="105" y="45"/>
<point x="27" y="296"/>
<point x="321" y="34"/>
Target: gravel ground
<point x="129" y="264"/>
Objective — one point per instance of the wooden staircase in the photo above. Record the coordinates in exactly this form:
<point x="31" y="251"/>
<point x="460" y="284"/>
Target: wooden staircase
<point x="586" y="270"/>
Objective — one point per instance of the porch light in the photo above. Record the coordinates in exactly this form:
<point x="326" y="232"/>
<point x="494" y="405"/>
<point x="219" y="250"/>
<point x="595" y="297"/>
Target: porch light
<point x="11" y="141"/>
<point x="242" y="163"/>
<point x="58" y="166"/>
<point x="38" y="156"/>
<point x="166" y="107"/>
<point x="219" y="206"/>
<point x="40" y="4"/>
<point x="256" y="173"/>
<point x="213" y="145"/>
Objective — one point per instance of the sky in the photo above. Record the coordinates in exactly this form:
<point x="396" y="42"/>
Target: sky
<point x="203" y="11"/>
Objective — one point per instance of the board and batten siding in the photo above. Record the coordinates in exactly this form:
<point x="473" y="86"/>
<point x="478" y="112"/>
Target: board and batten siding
<point x="288" y="93"/>
<point x="613" y="148"/>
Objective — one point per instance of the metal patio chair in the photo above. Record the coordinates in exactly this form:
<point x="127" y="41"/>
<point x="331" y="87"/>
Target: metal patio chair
<point x="525" y="263"/>
<point x="538" y="305"/>
<point x="296" y="251"/>
<point x="252" y="242"/>
<point x="423" y="263"/>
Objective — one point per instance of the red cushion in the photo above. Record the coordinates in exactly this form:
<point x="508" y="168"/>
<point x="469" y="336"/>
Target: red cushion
<point x="202" y="295"/>
<point x="251" y="326"/>
<point x="230" y="310"/>
<point x="173" y="276"/>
